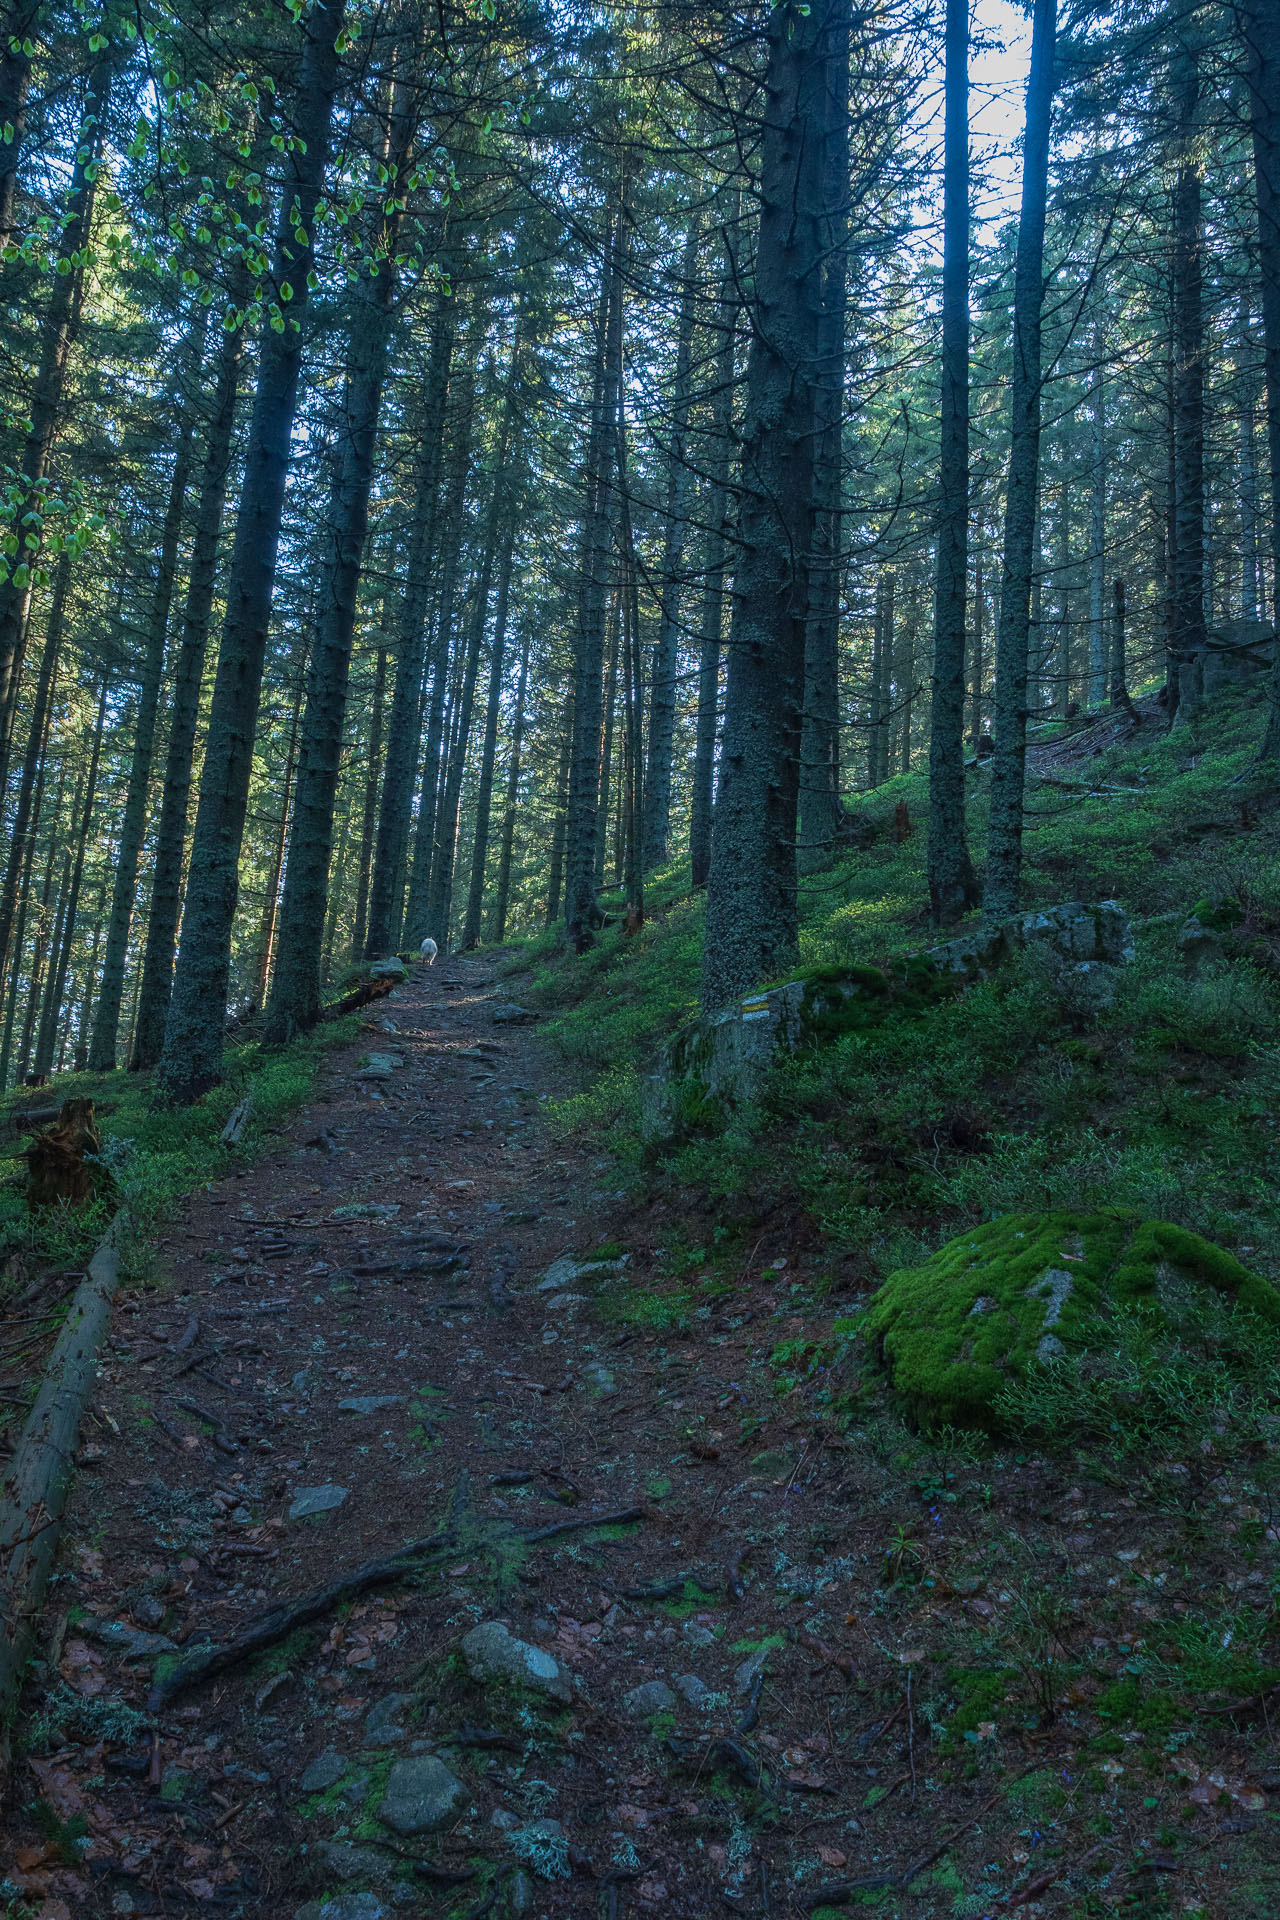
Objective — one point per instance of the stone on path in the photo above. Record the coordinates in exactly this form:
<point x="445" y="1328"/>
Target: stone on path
<point x="324" y="1771"/>
<point x="388" y="970"/>
<point x="346" y="1862"/>
<point x="383" y="1726"/>
<point x="513" y="1016"/>
<point x="133" y="1644"/>
<point x="343" y="1906"/>
<point x="651" y="1696"/>
<point x="369" y="1402"/>
<point x="421" y="1795"/>
<point x="493" y="1653"/>
<point x="308" y="1501"/>
<point x="744" y="1674"/>
<point x="694" y="1692"/>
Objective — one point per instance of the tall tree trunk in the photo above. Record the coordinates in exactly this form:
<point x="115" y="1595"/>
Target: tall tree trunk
<point x="513" y="799"/>
<point x="102" y="1044"/>
<point x="1119" y="689"/>
<point x="450" y="536"/>
<point x="1189" y="636"/>
<point x="368" y="825"/>
<point x="1261" y="27"/>
<point x="1008" y="772"/>
<point x="295" y="1001"/>
<point x="715" y="565"/>
<point x="1250" y="516"/>
<point x="952" y="883"/>
<point x="662" y="691"/>
<point x="820" y="805"/>
<point x="440" y="899"/>
<point x="387" y="884"/>
<point x="1098" y="535"/>
<point x="186" y="672"/>
<point x="15" y="79"/>
<point x="560" y="822"/>
<point x="192" y="1057"/>
<point x="271" y="892"/>
<point x="599" y="512"/>
<point x="612" y="674"/>
<point x="488" y="754"/>
<point x="57" y="334"/>
<point x="979" y="670"/>
<point x="752" y="918"/>
<point x="37" y="740"/>
<point x="907" y="674"/>
<point x="40" y="946"/>
<point x="62" y="947"/>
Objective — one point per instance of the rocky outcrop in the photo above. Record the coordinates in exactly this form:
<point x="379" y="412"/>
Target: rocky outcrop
<point x="715" y="1065"/>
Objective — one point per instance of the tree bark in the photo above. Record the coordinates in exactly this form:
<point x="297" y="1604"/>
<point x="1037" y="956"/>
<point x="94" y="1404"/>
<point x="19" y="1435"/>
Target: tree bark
<point x="295" y="1000"/>
<point x="37" y="741"/>
<point x="15" y="80"/>
<point x="191" y="1060"/>
<point x="1008" y="771"/>
<point x="1189" y="635"/>
<point x="57" y="334"/>
<point x="752" y="915"/>
<point x="369" y="821"/>
<point x="820" y="804"/>
<point x="488" y="754"/>
<point x="662" y="690"/>
<point x="187" y="672"/>
<point x="599" y="510"/>
<point x="715" y="565"/>
<point x="1098" y="535"/>
<point x="500" y="904"/>
<point x="102" y="1045"/>
<point x="1260" y="23"/>
<point x="386" y="888"/>
<point x="952" y="883"/>
<point x="1252" y="604"/>
<point x="450" y="541"/>
<point x="71" y="904"/>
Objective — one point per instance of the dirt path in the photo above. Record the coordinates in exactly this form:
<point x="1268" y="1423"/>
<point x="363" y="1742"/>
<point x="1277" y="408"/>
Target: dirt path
<point x="712" y="1704"/>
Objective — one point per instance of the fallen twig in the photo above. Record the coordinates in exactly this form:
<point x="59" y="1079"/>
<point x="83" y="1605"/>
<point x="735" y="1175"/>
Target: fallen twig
<point x="1032" y="1889"/>
<point x="622" y="1517"/>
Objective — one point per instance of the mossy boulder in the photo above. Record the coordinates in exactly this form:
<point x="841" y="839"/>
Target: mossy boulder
<point x="1034" y="1289"/>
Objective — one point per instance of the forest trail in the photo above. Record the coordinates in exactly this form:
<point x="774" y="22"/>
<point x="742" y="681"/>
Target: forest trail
<point x="357" y="1319"/>
<point x="729" y="1695"/>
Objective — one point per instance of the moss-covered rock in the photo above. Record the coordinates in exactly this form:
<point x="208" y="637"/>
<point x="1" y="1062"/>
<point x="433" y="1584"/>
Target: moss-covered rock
<point x="715" y="1065"/>
<point x="1035" y="1288"/>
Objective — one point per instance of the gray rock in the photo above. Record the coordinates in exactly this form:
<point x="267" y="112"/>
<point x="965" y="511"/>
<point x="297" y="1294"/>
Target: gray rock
<point x="354" y="1791"/>
<point x="692" y="1691"/>
<point x="392" y="969"/>
<point x="381" y="1066"/>
<point x="324" y="1771"/>
<point x="421" y="1795"/>
<point x="1088" y="989"/>
<point x="651" y="1696"/>
<point x="599" y="1377"/>
<point x="493" y="1653"/>
<point x="147" y="1610"/>
<point x="503" y="1819"/>
<point x="1237" y="650"/>
<point x="566" y="1270"/>
<point x="369" y="1402"/>
<point x="346" y="1862"/>
<point x="343" y="1906"/>
<point x="511" y="1015"/>
<point x="312" y="1500"/>
<point x="382" y="1723"/>
<point x="744" y="1674"/>
<point x="127" y="1640"/>
<point x="716" y="1065"/>
<point x="521" y="1892"/>
<point x="697" y="1635"/>
<point x="544" y="1846"/>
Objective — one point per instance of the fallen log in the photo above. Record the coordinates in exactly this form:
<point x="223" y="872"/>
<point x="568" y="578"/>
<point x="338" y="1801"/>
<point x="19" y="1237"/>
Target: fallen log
<point x="33" y="1494"/>
<point x="364" y="995"/>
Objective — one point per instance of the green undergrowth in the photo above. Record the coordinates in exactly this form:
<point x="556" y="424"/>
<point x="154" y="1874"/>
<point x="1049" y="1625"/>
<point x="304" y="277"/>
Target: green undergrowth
<point x="903" y="1130"/>
<point x="156" y="1153"/>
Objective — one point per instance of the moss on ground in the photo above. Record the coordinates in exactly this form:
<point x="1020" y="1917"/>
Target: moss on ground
<point x="1035" y="1290"/>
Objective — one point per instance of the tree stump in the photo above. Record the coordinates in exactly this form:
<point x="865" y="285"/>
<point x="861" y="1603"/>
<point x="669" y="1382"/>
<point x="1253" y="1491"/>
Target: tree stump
<point x="56" y="1159"/>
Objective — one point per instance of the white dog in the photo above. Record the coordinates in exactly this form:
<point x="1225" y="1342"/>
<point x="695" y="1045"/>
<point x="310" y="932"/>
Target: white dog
<point x="428" y="951"/>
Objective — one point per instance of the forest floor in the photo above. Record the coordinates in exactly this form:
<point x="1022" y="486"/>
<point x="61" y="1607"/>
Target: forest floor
<point x="882" y="1666"/>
